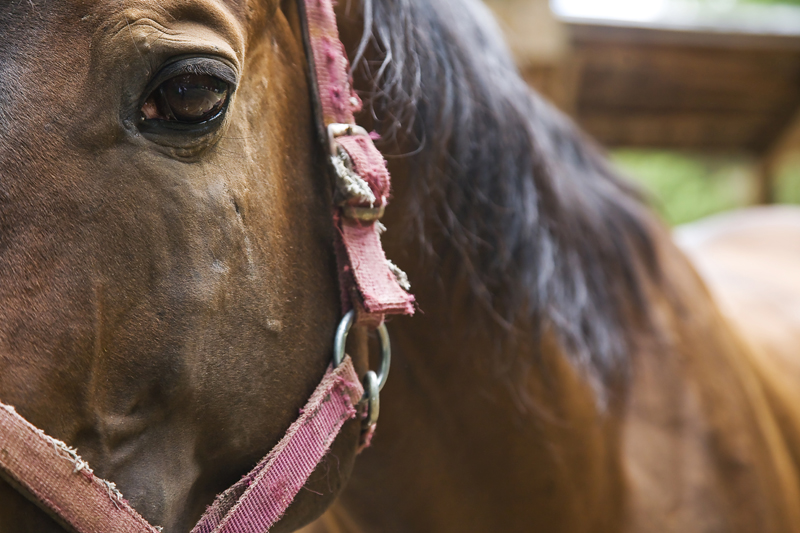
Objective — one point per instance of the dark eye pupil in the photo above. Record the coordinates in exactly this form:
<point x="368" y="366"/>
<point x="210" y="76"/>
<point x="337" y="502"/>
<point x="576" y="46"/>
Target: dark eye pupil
<point x="191" y="98"/>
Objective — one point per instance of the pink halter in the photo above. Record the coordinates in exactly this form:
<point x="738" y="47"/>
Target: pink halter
<point x="53" y="476"/>
<point x="370" y="283"/>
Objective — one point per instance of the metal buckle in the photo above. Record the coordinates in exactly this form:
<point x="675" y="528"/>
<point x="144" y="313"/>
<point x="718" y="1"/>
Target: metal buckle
<point x="373" y="383"/>
<point x="364" y="214"/>
<point x="338" y="129"/>
<point x="349" y="184"/>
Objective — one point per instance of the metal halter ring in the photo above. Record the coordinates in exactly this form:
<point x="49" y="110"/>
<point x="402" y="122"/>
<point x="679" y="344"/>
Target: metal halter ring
<point x="373" y="383"/>
<point x="373" y="398"/>
<point x="341" y="339"/>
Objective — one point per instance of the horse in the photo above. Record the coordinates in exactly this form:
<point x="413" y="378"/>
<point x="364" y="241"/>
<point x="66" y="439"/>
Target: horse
<point x="570" y="370"/>
<point x="168" y="295"/>
<point x="169" y="283"/>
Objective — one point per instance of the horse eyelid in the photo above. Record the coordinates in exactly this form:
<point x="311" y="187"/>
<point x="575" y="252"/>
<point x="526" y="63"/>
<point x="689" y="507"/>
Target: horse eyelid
<point x="202" y="66"/>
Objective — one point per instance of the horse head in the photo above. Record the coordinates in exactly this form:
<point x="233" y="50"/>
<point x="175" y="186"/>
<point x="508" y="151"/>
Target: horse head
<point x="169" y="293"/>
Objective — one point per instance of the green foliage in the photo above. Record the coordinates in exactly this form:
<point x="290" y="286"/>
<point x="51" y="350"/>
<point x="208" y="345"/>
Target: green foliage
<point x="787" y="183"/>
<point x="684" y="188"/>
<point x="789" y="2"/>
<point x="785" y="2"/>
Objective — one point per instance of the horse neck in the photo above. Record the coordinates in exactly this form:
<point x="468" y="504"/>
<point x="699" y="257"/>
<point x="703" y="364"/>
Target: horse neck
<point x="498" y="441"/>
<point x="478" y="434"/>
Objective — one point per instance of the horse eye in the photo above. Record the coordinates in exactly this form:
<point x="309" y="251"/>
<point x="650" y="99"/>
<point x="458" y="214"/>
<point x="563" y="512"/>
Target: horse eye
<point x="187" y="98"/>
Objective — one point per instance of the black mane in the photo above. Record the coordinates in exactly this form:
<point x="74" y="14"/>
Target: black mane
<point x="540" y="224"/>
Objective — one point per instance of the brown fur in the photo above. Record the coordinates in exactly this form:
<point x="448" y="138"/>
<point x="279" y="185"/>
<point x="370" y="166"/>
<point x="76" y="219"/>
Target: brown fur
<point x="700" y="442"/>
<point x="699" y="437"/>
<point x="166" y="311"/>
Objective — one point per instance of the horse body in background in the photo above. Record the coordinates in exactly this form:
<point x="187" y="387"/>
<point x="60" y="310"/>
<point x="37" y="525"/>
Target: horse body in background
<point x="750" y="260"/>
<point x="569" y="371"/>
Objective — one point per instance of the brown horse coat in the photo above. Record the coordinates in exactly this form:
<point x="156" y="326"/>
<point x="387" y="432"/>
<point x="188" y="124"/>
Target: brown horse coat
<point x="705" y="438"/>
<point x="488" y="425"/>
<point x="167" y="300"/>
<point x="168" y="297"/>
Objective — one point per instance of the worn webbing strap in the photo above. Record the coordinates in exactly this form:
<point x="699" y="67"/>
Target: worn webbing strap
<point x="259" y="500"/>
<point x="55" y="478"/>
<point x="369" y="282"/>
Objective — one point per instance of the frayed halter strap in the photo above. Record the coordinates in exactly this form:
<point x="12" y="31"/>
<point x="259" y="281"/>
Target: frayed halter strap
<point x="54" y="477"/>
<point x="370" y="283"/>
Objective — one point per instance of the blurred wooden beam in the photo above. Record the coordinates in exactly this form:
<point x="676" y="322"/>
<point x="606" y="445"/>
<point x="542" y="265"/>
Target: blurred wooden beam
<point x="704" y="37"/>
<point x="717" y="131"/>
<point x="696" y="90"/>
<point x="689" y="88"/>
<point x="532" y="31"/>
<point x="558" y="81"/>
<point x="765" y="182"/>
<point x="787" y="142"/>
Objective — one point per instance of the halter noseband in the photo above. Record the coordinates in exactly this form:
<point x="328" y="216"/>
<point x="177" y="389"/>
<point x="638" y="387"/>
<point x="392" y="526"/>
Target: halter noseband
<point x="54" y="477"/>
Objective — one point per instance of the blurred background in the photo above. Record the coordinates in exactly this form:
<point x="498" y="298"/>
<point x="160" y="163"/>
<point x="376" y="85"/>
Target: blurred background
<point x="698" y="100"/>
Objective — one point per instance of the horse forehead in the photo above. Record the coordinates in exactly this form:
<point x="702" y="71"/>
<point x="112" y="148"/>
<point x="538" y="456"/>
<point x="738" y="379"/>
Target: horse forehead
<point x="220" y="23"/>
<point x="230" y="19"/>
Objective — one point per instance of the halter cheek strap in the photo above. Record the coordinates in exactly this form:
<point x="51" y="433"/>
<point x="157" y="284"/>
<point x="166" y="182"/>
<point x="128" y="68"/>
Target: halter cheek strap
<point x="370" y="283"/>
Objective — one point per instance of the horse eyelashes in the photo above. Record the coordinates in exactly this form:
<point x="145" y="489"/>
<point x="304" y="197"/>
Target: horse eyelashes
<point x="187" y="98"/>
<point x="188" y="92"/>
